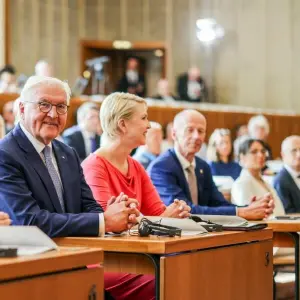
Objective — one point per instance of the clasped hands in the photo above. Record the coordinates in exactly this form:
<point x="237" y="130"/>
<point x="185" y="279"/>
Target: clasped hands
<point x="123" y="212"/>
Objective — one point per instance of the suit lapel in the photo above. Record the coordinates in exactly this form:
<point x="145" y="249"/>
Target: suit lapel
<point x="294" y="188"/>
<point x="200" y="178"/>
<point x="37" y="163"/>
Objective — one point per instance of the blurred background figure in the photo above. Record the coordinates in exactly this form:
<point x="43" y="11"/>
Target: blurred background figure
<point x="191" y="86"/>
<point x="152" y="149"/>
<point x="132" y="82"/>
<point x="43" y="68"/>
<point x="220" y="155"/>
<point x="287" y="181"/>
<point x="240" y="131"/>
<point x="8" y="82"/>
<point x="85" y="137"/>
<point x="168" y="141"/>
<point x="252" y="155"/>
<point x="8" y="116"/>
<point x="163" y="91"/>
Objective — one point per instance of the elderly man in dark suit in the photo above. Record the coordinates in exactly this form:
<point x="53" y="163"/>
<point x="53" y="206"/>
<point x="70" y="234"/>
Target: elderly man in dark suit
<point x="42" y="183"/>
<point x="85" y="137"/>
<point x="178" y="173"/>
<point x="287" y="181"/>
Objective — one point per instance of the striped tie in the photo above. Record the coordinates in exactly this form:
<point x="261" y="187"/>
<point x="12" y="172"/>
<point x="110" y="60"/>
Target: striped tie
<point x="192" y="181"/>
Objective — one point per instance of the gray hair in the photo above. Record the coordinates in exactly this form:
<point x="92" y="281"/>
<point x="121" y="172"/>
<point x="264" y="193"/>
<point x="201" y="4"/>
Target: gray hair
<point x="177" y="123"/>
<point x="260" y="121"/>
<point x="34" y="82"/>
<point x="84" y="109"/>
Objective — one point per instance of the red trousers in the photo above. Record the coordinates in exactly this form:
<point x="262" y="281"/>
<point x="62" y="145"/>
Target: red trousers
<point x="124" y="286"/>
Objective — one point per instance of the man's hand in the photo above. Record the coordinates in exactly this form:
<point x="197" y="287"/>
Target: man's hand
<point x="118" y="216"/>
<point x="178" y="209"/>
<point x="259" y="208"/>
<point x="4" y="218"/>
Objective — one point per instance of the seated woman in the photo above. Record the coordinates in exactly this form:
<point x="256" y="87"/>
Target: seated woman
<point x="252" y="155"/>
<point x="110" y="170"/>
<point x="220" y="155"/>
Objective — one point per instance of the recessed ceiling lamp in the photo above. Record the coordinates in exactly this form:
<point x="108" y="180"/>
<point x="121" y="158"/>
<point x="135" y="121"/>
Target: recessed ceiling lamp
<point x="209" y="31"/>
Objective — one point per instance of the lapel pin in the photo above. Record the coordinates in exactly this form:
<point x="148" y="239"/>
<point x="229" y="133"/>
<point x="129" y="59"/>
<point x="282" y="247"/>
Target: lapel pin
<point x="63" y="157"/>
<point x="201" y="171"/>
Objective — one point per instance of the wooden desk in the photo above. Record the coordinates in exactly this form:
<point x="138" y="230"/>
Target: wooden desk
<point x="286" y="235"/>
<point x="53" y="275"/>
<point x="227" y="265"/>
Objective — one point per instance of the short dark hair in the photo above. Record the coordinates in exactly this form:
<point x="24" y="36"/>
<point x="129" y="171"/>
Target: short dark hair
<point x="246" y="145"/>
<point x="8" y="69"/>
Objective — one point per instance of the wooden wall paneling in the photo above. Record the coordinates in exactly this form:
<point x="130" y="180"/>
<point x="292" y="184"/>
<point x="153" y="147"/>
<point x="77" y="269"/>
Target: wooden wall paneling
<point x="278" y="57"/>
<point x="100" y="20"/>
<point x="158" y="13"/>
<point x="91" y="19"/>
<point x="135" y="22"/>
<point x="57" y="41"/>
<point x="65" y="39"/>
<point x="251" y="52"/>
<point x="112" y="19"/>
<point x="50" y="33"/>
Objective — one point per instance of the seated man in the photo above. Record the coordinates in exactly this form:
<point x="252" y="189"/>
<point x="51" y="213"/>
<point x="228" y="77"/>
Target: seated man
<point x="147" y="153"/>
<point x="8" y="116"/>
<point x="178" y="173"/>
<point x="287" y="181"/>
<point x="85" y="138"/>
<point x="42" y="183"/>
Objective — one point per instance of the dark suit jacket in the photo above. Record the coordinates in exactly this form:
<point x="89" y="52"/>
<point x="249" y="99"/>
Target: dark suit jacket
<point x="182" y="89"/>
<point x="124" y="84"/>
<point x="28" y="195"/>
<point x="168" y="177"/>
<point x="73" y="137"/>
<point x="288" y="191"/>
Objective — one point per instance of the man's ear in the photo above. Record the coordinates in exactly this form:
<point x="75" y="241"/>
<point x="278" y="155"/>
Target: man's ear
<point x="174" y="133"/>
<point x="21" y="108"/>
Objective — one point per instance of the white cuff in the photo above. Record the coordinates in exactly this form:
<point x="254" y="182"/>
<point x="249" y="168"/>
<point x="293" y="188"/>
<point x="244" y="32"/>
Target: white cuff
<point x="101" y="225"/>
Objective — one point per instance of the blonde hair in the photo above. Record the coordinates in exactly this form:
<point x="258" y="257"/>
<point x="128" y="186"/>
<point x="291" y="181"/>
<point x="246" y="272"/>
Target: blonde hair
<point x="115" y="107"/>
<point x="212" y="153"/>
<point x="2" y="127"/>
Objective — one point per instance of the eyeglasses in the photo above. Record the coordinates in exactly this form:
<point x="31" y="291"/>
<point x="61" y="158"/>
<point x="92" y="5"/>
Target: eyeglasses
<point x="45" y="107"/>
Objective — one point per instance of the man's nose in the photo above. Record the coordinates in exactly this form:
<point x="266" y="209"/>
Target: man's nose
<point x="53" y="112"/>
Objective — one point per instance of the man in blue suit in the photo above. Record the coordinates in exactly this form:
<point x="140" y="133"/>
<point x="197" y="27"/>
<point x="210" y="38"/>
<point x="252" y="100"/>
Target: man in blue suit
<point x="85" y="137"/>
<point x="42" y="183"/>
<point x="179" y="174"/>
<point x="287" y="181"/>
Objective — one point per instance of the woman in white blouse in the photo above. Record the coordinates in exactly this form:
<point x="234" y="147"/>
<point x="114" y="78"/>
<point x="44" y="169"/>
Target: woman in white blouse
<point x="252" y="156"/>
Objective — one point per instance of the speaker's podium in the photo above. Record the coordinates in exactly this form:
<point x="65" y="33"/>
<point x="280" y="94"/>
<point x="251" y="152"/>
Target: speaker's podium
<point x="215" y="266"/>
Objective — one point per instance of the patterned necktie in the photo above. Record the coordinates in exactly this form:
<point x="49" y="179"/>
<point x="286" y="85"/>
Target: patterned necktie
<point x="54" y="176"/>
<point x="192" y="181"/>
<point x="93" y="144"/>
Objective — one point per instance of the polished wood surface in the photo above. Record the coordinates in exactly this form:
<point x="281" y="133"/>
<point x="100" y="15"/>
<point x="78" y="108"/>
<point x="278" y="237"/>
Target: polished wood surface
<point x="284" y="225"/>
<point x="217" y="116"/>
<point x="58" y="274"/>
<point x="284" y="260"/>
<point x="65" y="258"/>
<point x="164" y="245"/>
<point x="230" y="273"/>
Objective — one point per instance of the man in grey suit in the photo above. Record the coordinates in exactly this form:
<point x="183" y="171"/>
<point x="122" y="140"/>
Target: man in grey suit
<point x="287" y="181"/>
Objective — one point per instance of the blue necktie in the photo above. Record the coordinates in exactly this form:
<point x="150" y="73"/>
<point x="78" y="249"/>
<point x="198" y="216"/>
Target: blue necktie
<point x="54" y="176"/>
<point x="93" y="144"/>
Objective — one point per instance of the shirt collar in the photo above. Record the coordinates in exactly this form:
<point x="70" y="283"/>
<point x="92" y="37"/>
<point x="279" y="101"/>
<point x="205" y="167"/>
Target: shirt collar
<point x="87" y="134"/>
<point x="292" y="172"/>
<point x="183" y="161"/>
<point x="38" y="146"/>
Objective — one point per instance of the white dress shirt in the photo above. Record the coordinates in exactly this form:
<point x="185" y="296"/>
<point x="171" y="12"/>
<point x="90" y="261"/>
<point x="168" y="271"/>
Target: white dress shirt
<point x="184" y="163"/>
<point x="294" y="175"/>
<point x="39" y="147"/>
<point x="194" y="89"/>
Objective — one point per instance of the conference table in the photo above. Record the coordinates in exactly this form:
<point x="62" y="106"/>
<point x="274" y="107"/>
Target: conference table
<point x="57" y="274"/>
<point x="286" y="235"/>
<point x="221" y="265"/>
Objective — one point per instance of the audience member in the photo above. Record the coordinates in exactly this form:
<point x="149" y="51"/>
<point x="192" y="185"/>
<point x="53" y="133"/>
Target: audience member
<point x="239" y="132"/>
<point x="252" y="155"/>
<point x="132" y="82"/>
<point x="163" y="92"/>
<point x="42" y="183"/>
<point x="85" y="137"/>
<point x="8" y="83"/>
<point x="167" y="142"/>
<point x="4" y="219"/>
<point x="8" y="116"/>
<point x="192" y="87"/>
<point x="178" y="173"/>
<point x="43" y="68"/>
<point x="220" y="155"/>
<point x="152" y="149"/>
<point x="111" y="170"/>
<point x="287" y="181"/>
